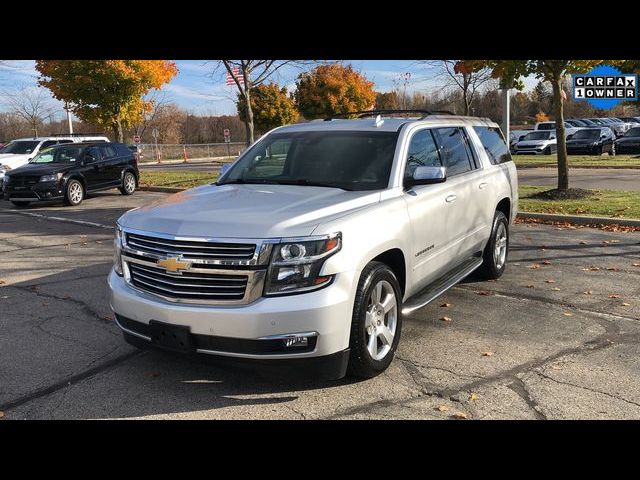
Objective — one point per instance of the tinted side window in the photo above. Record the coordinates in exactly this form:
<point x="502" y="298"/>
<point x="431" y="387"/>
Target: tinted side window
<point x="60" y="142"/>
<point x="95" y="153"/>
<point x="108" y="152"/>
<point x="494" y="144"/>
<point x="456" y="154"/>
<point x="48" y="143"/>
<point x="423" y="151"/>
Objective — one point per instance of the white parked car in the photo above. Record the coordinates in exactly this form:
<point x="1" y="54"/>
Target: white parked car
<point x="18" y="152"/>
<point x="312" y="246"/>
<point x="515" y="136"/>
<point x="539" y="142"/>
<point x="568" y="129"/>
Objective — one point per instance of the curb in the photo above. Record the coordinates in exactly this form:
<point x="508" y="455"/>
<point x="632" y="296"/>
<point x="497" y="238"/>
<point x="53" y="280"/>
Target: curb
<point x="161" y="189"/>
<point x="579" y="219"/>
<point x="588" y="167"/>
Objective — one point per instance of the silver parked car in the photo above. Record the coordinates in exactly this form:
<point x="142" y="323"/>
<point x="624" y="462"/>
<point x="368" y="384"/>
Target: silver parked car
<point x="539" y="142"/>
<point x="312" y="246"/>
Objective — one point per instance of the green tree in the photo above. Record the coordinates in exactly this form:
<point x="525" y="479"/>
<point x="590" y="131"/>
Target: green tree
<point x="510" y="73"/>
<point x="271" y="106"/>
<point x="106" y="92"/>
<point x="333" y="89"/>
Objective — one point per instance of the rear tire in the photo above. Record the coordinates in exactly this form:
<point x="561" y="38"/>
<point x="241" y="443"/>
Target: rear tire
<point x="494" y="257"/>
<point x="128" y="184"/>
<point x="376" y="323"/>
<point x="547" y="151"/>
<point x="74" y="193"/>
<point x="20" y="204"/>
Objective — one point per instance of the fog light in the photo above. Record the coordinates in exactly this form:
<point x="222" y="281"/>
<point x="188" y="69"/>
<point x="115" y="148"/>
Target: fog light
<point x="296" y="341"/>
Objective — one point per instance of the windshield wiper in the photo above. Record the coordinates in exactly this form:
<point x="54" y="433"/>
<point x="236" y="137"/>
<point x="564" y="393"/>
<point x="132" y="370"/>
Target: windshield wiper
<point x="241" y="181"/>
<point x="310" y="183"/>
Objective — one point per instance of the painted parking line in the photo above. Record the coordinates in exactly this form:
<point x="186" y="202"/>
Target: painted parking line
<point x="58" y="219"/>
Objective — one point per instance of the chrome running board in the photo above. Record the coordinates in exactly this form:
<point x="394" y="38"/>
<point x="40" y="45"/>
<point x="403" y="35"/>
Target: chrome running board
<point x="441" y="285"/>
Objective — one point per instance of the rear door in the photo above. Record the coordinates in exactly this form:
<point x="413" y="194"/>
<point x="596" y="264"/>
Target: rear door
<point x="93" y="170"/>
<point x="112" y="164"/>
<point x="464" y="216"/>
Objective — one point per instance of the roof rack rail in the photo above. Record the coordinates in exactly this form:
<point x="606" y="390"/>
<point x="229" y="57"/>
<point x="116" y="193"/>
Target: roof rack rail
<point x="370" y="113"/>
<point x="76" y="134"/>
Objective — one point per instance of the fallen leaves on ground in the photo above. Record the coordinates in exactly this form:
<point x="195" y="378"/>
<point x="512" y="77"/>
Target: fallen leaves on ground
<point x="612" y="269"/>
<point x="2" y="282"/>
<point x="108" y="318"/>
<point x="546" y="262"/>
<point x="445" y="319"/>
<point x="485" y="293"/>
<point x="531" y="286"/>
<point x="550" y="281"/>
<point x="625" y="304"/>
<point x="591" y="269"/>
<point x="445" y="305"/>
<point x="568" y="314"/>
<point x="583" y="243"/>
<point x="442" y="408"/>
<point x="635" y="264"/>
<point x="534" y="266"/>
<point x="615" y="295"/>
<point x="555" y="289"/>
<point x="487" y="354"/>
<point x="588" y="292"/>
<point x="473" y="397"/>
<point x="459" y="416"/>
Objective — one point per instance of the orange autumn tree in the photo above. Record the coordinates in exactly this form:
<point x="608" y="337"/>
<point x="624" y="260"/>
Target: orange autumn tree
<point x="109" y="93"/>
<point x="333" y="89"/>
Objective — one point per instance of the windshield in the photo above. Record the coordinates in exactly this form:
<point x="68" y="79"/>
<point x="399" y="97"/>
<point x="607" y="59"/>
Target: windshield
<point x="58" y="155"/>
<point x="348" y="160"/>
<point x="586" y="134"/>
<point x="547" y="126"/>
<point x="633" y="132"/>
<point x="537" y="135"/>
<point x="20" y="147"/>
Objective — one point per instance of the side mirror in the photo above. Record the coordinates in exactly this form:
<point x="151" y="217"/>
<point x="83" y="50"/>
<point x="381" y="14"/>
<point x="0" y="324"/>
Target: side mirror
<point x="427" y="176"/>
<point x="224" y="169"/>
<point x="88" y="159"/>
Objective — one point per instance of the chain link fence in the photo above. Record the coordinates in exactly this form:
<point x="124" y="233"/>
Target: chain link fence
<point x="152" y="153"/>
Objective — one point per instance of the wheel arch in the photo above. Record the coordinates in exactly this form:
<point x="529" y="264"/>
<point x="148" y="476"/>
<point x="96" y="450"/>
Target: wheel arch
<point x="394" y="259"/>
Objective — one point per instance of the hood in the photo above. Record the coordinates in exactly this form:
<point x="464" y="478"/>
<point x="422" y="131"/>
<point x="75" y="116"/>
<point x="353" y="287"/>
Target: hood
<point x="628" y="140"/>
<point x="40" y="169"/>
<point x="13" y="160"/>
<point x="533" y="143"/>
<point x="583" y="141"/>
<point x="246" y="211"/>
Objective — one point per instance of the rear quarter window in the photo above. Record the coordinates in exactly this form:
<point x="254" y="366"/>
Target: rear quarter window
<point x="494" y="144"/>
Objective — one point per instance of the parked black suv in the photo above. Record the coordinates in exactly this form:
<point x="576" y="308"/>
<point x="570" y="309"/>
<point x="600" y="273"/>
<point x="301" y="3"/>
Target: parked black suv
<point x="630" y="142"/>
<point x="591" y="141"/>
<point x="68" y="172"/>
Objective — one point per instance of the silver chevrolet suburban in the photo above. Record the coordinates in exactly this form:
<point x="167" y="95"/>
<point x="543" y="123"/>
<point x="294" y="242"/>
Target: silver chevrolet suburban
<point x="312" y="246"/>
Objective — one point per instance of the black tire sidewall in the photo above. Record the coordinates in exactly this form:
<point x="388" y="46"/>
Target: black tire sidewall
<point x="66" y="193"/>
<point x="361" y="363"/>
<point x="488" y="268"/>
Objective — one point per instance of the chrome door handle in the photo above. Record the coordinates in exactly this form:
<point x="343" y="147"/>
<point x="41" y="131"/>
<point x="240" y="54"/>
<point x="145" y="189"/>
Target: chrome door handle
<point x="451" y="198"/>
<point x="483" y="185"/>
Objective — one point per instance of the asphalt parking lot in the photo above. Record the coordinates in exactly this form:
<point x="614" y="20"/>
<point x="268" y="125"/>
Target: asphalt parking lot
<point x="557" y="337"/>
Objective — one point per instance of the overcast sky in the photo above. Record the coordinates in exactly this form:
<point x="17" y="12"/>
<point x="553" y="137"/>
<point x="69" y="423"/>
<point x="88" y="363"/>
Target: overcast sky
<point x="199" y="91"/>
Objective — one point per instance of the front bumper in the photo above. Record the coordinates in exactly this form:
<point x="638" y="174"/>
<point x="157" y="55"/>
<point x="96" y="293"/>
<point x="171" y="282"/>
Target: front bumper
<point x="243" y="331"/>
<point x="33" y="193"/>
<point x="622" y="148"/>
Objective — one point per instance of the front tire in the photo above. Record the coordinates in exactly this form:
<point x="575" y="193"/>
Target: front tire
<point x="128" y="184"/>
<point x="547" y="151"/>
<point x="74" y="193"/>
<point x="612" y="151"/>
<point x="494" y="258"/>
<point x="376" y="323"/>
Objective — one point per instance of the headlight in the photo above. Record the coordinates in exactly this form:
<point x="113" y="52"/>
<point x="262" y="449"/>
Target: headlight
<point x="296" y="263"/>
<point x="51" y="178"/>
<point x="117" y="251"/>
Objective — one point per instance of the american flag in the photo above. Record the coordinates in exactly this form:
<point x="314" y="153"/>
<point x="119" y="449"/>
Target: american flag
<point x="236" y="74"/>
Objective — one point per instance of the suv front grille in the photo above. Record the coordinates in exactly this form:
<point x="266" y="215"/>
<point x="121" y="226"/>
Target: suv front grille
<point x="23" y="180"/>
<point x="191" y="249"/>
<point x="192" y="286"/>
<point x="210" y="271"/>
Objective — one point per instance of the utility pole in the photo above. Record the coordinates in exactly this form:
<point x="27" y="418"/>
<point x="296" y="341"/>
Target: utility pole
<point x="66" y="107"/>
<point x="505" y="113"/>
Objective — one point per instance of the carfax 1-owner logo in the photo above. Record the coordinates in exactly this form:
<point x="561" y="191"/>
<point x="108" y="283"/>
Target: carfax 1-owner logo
<point x="605" y="86"/>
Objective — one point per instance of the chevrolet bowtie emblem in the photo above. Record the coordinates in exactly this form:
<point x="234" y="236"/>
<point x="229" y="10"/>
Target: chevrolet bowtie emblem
<point x="174" y="264"/>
